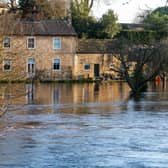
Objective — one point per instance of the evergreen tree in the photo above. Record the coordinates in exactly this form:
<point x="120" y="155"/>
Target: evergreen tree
<point x="88" y="26"/>
<point x="26" y="5"/>
<point x="109" y="24"/>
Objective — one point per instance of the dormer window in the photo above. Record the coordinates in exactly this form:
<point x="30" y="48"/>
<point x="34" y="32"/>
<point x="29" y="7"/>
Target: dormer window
<point x="6" y="42"/>
<point x="57" y="43"/>
<point x="31" y="42"/>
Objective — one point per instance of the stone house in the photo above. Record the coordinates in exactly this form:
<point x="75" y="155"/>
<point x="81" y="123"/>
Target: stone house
<point x="95" y="58"/>
<point x="44" y="49"/>
<point x="50" y="50"/>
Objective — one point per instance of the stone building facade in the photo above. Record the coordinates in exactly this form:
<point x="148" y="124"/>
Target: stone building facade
<point x="95" y="58"/>
<point x="44" y="49"/>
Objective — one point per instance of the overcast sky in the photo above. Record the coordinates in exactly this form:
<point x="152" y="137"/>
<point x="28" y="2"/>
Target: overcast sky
<point x="127" y="12"/>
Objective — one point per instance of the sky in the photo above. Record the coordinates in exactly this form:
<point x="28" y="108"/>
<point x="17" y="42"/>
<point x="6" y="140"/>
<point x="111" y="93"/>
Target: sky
<point x="126" y="12"/>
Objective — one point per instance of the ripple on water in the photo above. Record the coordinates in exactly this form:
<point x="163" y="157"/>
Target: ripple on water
<point x="95" y="131"/>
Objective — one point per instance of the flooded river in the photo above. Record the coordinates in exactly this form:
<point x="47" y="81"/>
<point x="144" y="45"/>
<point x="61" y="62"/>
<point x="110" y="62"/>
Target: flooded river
<point x="83" y="126"/>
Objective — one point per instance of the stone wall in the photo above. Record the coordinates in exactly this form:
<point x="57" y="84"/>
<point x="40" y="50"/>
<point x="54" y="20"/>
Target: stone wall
<point x="103" y="60"/>
<point x="81" y="60"/>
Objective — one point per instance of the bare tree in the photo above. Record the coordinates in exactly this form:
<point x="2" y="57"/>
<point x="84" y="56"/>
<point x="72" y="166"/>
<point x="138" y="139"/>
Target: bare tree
<point x="9" y="56"/>
<point x="139" y="62"/>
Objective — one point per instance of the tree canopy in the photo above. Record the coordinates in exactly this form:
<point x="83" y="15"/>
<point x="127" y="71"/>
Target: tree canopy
<point x="109" y="24"/>
<point x="87" y="26"/>
<point x="39" y="9"/>
<point x="42" y="9"/>
<point x="157" y="20"/>
<point x="83" y="7"/>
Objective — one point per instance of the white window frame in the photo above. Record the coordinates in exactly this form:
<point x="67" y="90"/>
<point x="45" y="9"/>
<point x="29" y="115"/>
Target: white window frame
<point x="87" y="69"/>
<point x="59" y="64"/>
<point x="7" y="70"/>
<point x="54" y="38"/>
<point x="9" y="43"/>
<point x="31" y="37"/>
<point x="28" y="73"/>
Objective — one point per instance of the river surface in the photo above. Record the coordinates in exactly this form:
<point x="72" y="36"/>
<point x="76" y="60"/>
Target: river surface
<point x="83" y="126"/>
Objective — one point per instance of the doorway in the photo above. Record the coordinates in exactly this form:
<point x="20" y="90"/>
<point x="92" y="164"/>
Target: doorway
<point x="31" y="67"/>
<point x="96" y="70"/>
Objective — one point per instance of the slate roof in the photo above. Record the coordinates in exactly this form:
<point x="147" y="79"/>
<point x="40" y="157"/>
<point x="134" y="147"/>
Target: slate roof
<point x="107" y="46"/>
<point x="42" y="28"/>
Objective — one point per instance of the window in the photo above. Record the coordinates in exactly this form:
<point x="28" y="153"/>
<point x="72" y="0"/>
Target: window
<point x="7" y="65"/>
<point x="56" y="64"/>
<point x="6" y="42"/>
<point x="57" y="43"/>
<point x="31" y="42"/>
<point x="87" y="67"/>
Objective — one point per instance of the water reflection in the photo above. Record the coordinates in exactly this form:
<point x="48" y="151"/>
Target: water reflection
<point x="76" y="93"/>
<point x="83" y="125"/>
<point x="30" y="92"/>
<point x="56" y="95"/>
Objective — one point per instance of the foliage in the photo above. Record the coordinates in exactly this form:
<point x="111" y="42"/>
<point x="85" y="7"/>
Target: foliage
<point x="84" y="25"/>
<point x="109" y="24"/>
<point x="34" y="9"/>
<point x="87" y="26"/>
<point x="143" y="36"/>
<point x="41" y="9"/>
<point x="27" y="7"/>
<point x="157" y="20"/>
<point x="83" y="7"/>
